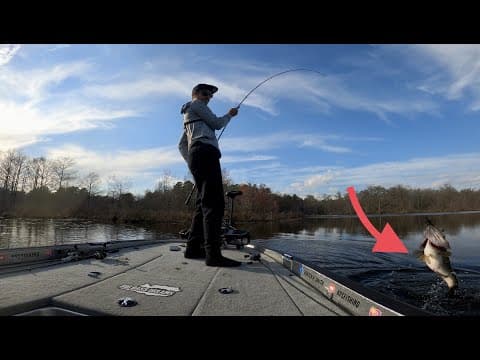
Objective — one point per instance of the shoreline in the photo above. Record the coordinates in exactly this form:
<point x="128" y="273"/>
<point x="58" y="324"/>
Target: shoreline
<point x="307" y="217"/>
<point x="312" y="217"/>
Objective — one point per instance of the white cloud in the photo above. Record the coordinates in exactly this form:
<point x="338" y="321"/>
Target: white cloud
<point x="255" y="143"/>
<point x="8" y="141"/>
<point x="179" y="85"/>
<point x="141" y="168"/>
<point x="123" y="163"/>
<point x="139" y="89"/>
<point x="331" y="90"/>
<point x="453" y="70"/>
<point x="335" y="91"/>
<point x="458" y="170"/>
<point x="236" y="159"/>
<point x="31" y="110"/>
<point x="317" y="180"/>
<point x="319" y="142"/>
<point x="322" y="92"/>
<point x="246" y="66"/>
<point x="7" y="52"/>
<point x="461" y="171"/>
<point x="327" y="91"/>
<point x="25" y="124"/>
<point x="277" y="140"/>
<point x="33" y="85"/>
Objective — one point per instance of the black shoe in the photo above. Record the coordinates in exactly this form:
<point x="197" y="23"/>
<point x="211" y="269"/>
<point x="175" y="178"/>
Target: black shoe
<point x="194" y="253"/>
<point x="221" y="261"/>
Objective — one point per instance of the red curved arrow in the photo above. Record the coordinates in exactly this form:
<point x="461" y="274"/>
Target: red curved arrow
<point x="387" y="240"/>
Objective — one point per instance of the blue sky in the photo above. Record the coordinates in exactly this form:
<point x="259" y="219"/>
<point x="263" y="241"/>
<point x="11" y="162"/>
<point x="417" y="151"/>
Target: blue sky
<point x="378" y="114"/>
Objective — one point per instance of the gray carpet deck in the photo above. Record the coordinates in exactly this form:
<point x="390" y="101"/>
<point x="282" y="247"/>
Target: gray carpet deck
<point x="164" y="283"/>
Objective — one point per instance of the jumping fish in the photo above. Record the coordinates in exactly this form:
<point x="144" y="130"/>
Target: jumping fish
<point x="435" y="251"/>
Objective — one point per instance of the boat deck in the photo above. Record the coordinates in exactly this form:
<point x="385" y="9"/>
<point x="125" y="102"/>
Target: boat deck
<point x="163" y="283"/>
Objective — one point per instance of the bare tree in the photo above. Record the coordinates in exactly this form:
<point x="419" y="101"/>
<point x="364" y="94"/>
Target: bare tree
<point x="63" y="171"/>
<point x="40" y="170"/>
<point x="226" y="178"/>
<point x="19" y="168"/>
<point x="26" y="175"/>
<point x="7" y="165"/>
<point x="117" y="187"/>
<point x="34" y="172"/>
<point x="91" y="182"/>
<point x="11" y="166"/>
<point x="165" y="182"/>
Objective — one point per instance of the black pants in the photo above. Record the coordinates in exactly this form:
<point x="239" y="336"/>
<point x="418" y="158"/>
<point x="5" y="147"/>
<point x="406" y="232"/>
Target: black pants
<point x="204" y="164"/>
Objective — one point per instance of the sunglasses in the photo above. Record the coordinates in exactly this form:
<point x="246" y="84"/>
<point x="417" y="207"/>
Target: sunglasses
<point x="206" y="93"/>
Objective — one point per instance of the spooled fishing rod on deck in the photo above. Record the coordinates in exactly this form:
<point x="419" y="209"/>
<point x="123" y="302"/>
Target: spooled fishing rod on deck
<point x="241" y="102"/>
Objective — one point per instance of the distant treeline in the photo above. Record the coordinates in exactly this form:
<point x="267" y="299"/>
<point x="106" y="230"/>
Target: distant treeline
<point x="399" y="200"/>
<point x="40" y="187"/>
<point x="257" y="203"/>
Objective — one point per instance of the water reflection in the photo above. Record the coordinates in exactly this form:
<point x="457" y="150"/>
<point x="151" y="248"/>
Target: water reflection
<point x="15" y="233"/>
<point x="404" y="226"/>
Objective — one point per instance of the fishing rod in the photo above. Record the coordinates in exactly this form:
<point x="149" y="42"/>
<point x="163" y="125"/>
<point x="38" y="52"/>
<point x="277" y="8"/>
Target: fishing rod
<point x="241" y="102"/>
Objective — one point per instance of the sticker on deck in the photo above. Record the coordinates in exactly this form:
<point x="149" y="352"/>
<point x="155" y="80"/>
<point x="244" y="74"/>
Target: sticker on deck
<point x="155" y="290"/>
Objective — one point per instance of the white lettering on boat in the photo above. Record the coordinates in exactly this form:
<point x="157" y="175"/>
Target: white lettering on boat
<point x="155" y="290"/>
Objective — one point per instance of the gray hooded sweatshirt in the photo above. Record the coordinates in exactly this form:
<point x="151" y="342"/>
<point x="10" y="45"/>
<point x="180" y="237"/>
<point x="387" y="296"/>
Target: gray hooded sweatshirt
<point x="199" y="124"/>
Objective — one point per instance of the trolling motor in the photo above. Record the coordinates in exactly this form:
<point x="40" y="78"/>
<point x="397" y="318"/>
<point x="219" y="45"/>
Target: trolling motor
<point x="230" y="234"/>
<point x="232" y="195"/>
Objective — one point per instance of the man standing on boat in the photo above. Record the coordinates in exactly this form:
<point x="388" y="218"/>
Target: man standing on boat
<point x="199" y="147"/>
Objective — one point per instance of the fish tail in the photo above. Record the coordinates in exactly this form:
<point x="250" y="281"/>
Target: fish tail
<point x="451" y="281"/>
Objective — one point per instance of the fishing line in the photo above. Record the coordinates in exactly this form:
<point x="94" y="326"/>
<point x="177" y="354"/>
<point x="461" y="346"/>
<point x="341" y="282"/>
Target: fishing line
<point x="245" y="98"/>
<point x="263" y="82"/>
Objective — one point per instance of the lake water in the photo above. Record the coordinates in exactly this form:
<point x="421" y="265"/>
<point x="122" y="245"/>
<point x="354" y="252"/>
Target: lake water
<point x="345" y="247"/>
<point x="15" y="233"/>
<point x="341" y="245"/>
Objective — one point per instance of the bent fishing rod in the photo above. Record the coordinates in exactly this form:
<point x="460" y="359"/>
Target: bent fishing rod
<point x="241" y="102"/>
